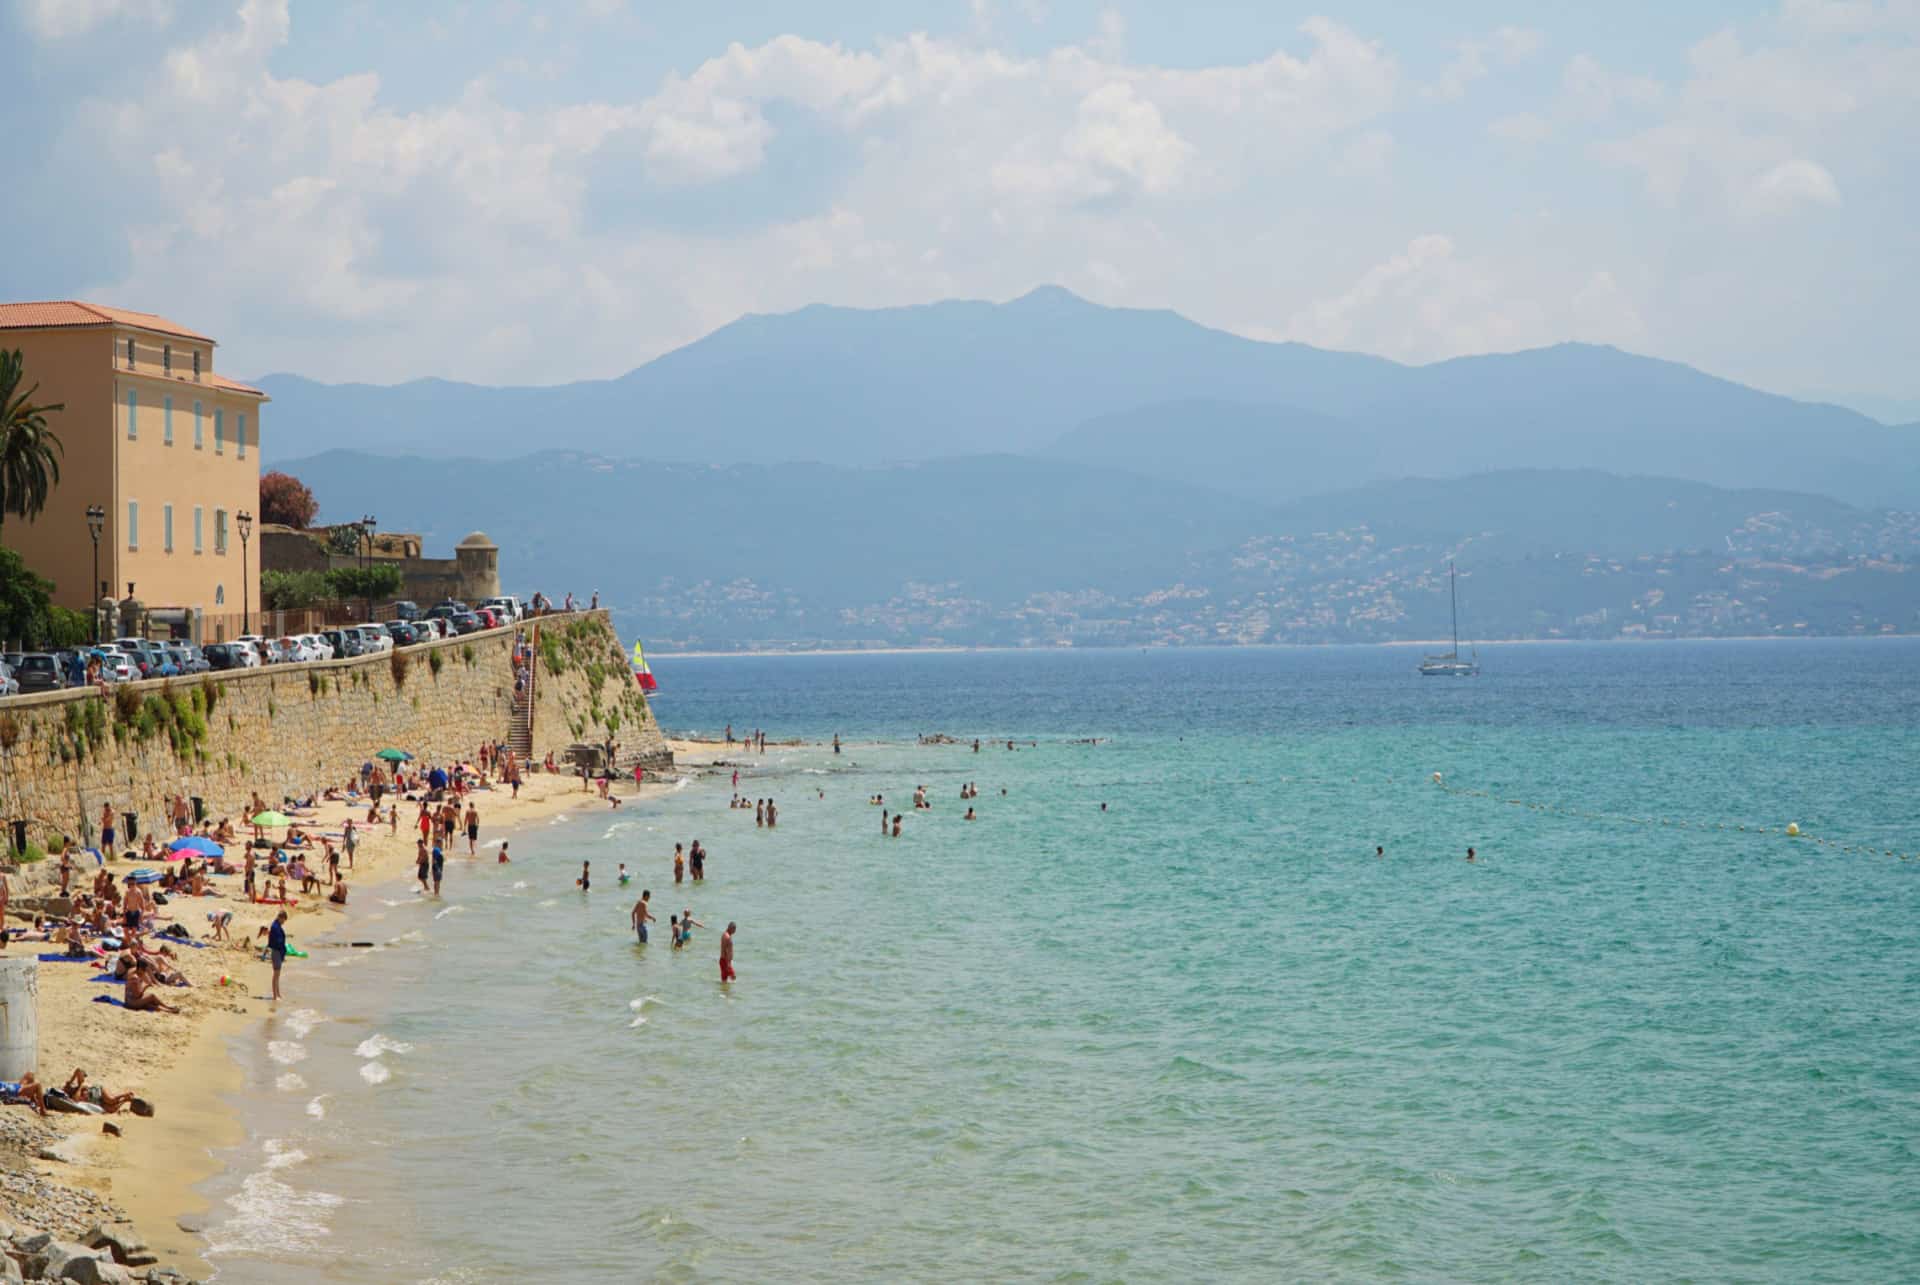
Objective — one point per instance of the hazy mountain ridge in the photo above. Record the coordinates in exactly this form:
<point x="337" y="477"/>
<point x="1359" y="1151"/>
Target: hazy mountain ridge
<point x="1011" y="549"/>
<point x="1052" y="372"/>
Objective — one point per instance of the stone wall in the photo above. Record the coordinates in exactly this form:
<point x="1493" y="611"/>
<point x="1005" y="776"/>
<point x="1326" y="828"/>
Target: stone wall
<point x="295" y="729"/>
<point x="471" y="575"/>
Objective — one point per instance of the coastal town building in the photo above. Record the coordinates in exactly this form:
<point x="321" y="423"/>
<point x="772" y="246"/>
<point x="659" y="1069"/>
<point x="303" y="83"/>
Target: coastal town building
<point x="166" y="451"/>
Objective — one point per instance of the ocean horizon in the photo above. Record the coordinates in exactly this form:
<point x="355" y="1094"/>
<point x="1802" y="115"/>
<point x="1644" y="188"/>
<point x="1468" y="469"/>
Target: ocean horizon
<point x="1159" y="1011"/>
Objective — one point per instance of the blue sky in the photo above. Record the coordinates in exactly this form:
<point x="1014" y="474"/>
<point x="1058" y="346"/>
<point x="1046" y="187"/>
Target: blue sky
<point x="504" y="191"/>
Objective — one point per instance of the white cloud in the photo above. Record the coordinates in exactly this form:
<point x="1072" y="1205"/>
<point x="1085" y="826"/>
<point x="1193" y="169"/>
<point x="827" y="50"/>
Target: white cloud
<point x="1794" y="183"/>
<point x="1589" y="90"/>
<point x="1509" y="44"/>
<point x="65" y="19"/>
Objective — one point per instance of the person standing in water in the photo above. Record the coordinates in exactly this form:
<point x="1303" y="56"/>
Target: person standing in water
<point x="679" y="864"/>
<point x="473" y="828"/>
<point x="726" y="952"/>
<point x="422" y="859"/>
<point x="503" y="853"/>
<point x="277" y="949"/>
<point x="697" y="862"/>
<point x="439" y="867"/>
<point x="836" y="742"/>
<point x="642" y="914"/>
<point x="585" y="881"/>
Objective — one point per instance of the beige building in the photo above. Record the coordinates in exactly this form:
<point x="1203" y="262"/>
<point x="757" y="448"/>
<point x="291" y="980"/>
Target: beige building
<point x="169" y="449"/>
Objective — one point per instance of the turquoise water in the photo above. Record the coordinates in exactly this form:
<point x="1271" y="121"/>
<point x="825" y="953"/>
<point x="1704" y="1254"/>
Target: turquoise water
<point x="1202" y="1034"/>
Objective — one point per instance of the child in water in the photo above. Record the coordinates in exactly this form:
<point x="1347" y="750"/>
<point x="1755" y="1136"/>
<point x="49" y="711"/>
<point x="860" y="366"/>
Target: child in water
<point x="624" y="876"/>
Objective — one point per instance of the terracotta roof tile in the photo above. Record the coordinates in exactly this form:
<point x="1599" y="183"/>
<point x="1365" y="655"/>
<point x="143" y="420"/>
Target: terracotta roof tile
<point x="69" y="312"/>
<point x="233" y="385"/>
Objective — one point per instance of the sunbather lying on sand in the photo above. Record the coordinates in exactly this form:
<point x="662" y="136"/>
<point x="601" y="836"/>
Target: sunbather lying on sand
<point x="140" y="995"/>
<point x="79" y="1090"/>
<point x="26" y="1090"/>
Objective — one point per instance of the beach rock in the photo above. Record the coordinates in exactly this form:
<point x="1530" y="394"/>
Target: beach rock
<point x="87" y="1270"/>
<point x="35" y="1243"/>
<point x="126" y="1248"/>
<point x="9" y="1270"/>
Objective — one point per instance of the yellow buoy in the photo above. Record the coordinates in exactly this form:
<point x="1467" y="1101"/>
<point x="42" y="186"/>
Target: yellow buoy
<point x="1793" y="829"/>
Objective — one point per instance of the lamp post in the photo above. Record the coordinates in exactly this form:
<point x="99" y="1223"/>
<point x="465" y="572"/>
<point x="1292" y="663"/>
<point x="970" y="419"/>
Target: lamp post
<point x="96" y="523"/>
<point x="366" y="574"/>
<point x="244" y="521"/>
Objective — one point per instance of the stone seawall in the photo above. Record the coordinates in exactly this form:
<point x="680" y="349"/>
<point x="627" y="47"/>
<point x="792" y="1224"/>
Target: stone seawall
<point x="292" y="730"/>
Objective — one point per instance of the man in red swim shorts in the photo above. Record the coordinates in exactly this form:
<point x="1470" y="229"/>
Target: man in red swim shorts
<point x="726" y="953"/>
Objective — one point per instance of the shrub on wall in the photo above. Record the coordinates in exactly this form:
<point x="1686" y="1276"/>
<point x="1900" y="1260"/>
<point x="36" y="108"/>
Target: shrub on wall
<point x="397" y="660"/>
<point x="434" y="661"/>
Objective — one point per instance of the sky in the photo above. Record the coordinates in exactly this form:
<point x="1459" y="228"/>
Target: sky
<point x="505" y="191"/>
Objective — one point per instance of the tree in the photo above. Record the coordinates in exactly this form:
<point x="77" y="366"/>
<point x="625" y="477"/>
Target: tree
<point x="29" y="451"/>
<point x="285" y="590"/>
<point x="286" y="500"/>
<point x="23" y="599"/>
<point x="377" y="581"/>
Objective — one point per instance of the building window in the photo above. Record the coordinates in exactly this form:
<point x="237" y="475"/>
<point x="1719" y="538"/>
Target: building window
<point x="131" y="360"/>
<point x="240" y="433"/>
<point x="166" y="421"/>
<point x="133" y="412"/>
<point x="198" y="514"/>
<point x="219" y="595"/>
<point x="166" y="359"/>
<point x="220" y="532"/>
<point x="133" y="524"/>
<point x="196" y="366"/>
<point x="219" y="431"/>
<point x="196" y="425"/>
<point x="166" y="528"/>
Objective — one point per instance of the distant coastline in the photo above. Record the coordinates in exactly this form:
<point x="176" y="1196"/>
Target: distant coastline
<point x="657" y="653"/>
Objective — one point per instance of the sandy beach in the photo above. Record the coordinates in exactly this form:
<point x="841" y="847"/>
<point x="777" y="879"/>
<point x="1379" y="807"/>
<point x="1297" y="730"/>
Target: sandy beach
<point x="181" y="1063"/>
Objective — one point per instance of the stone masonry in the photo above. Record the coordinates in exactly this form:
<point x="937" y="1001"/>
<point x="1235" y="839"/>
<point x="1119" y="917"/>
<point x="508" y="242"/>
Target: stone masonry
<point x="295" y="729"/>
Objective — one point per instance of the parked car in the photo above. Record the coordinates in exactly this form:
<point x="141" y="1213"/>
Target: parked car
<point x="406" y="610"/>
<point x="37" y="671"/>
<point x="373" y="639"/>
<point x="507" y="607"/>
<point x="318" y="646"/>
<point x="225" y="656"/>
<point x="115" y="664"/>
<point x="486" y="617"/>
<point x="9" y="685"/>
<point x="464" y="623"/>
<point x="345" y="642"/>
<point x="186" y="658"/>
<point x="442" y="626"/>
<point x="402" y="633"/>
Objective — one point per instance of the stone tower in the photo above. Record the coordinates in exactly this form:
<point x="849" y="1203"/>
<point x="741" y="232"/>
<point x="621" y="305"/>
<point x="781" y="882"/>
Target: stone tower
<point x="479" y="562"/>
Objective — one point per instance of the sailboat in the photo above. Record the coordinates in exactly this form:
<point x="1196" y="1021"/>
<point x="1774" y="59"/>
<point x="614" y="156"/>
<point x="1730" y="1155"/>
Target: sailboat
<point x="1448" y="664"/>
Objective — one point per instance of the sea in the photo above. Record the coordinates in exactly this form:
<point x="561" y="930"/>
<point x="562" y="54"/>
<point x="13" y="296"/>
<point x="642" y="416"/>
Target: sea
<point x="1207" y="990"/>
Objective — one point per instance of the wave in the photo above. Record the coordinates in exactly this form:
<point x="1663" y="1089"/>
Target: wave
<point x="375" y="1045"/>
<point x="449" y="910"/>
<point x="289" y="1082"/>
<point x="270" y="1216"/>
<point x="518" y="884"/>
<point x="302" y="1021"/>
<point x="286" y="1052"/>
<point x="317" y="1108"/>
<point x="375" y="1072"/>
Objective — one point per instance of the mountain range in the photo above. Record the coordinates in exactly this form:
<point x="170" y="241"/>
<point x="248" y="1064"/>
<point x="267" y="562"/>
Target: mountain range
<point x="1148" y="392"/>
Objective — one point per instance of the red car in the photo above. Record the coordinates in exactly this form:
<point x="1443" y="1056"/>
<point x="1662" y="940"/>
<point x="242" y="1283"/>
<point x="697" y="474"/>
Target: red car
<point x="487" y="619"/>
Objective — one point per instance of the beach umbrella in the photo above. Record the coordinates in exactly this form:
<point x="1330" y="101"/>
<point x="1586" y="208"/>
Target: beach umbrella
<point x="272" y="820"/>
<point x="395" y="756"/>
<point x="198" y="843"/>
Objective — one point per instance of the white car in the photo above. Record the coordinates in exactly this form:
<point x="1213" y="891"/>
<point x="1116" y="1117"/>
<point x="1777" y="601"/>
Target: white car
<point x="373" y="639"/>
<point x="320" y="647"/>
<point x="119" y="667"/>
<point x="507" y="608"/>
<point x="262" y="653"/>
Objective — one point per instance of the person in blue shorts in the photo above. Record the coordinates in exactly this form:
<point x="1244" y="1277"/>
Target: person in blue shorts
<point x="642" y="915"/>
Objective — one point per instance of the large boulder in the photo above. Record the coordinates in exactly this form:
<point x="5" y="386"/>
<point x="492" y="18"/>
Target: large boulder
<point x="84" y="1269"/>
<point x="126" y="1248"/>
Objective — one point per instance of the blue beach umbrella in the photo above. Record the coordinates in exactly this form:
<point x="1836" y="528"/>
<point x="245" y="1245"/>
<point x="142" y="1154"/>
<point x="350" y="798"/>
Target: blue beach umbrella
<point x="198" y="843"/>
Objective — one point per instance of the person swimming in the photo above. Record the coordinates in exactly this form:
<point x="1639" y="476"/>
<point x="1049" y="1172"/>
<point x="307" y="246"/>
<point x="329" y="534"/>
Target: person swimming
<point x="623" y="875"/>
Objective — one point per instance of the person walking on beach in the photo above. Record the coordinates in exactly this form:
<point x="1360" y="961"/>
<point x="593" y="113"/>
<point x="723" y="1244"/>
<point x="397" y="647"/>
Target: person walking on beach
<point x="726" y="952"/>
<point x="349" y="840"/>
<point x="422" y="860"/>
<point x="473" y="828"/>
<point x="642" y="914"/>
<point x="277" y="949"/>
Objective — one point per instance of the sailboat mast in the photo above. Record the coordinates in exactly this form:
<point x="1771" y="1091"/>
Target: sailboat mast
<point x="1453" y="598"/>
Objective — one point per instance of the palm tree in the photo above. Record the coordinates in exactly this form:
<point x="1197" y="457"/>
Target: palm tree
<point x="29" y="451"/>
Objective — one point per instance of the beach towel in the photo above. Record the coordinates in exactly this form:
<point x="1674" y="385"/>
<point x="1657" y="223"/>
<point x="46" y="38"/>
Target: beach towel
<point x="70" y="959"/>
<point x="114" y="1000"/>
<point x="108" y="979"/>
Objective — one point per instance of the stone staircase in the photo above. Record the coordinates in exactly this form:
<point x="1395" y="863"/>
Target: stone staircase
<point x="520" y="730"/>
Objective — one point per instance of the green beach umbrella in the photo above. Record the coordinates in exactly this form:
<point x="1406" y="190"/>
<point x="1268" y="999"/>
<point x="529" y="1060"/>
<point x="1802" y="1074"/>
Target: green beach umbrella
<point x="394" y="756"/>
<point x="272" y="819"/>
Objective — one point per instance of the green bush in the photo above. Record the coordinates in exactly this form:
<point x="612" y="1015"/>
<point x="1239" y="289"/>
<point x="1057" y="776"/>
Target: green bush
<point x="435" y="660"/>
<point x="68" y="628"/>
<point x="381" y="580"/>
<point x="286" y="590"/>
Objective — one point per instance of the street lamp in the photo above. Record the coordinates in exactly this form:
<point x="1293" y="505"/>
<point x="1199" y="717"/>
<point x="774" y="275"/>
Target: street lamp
<point x="366" y="574"/>
<point x="96" y="523"/>
<point x="244" y="520"/>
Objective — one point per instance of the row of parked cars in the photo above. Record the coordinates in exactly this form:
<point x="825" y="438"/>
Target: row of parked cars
<point x="126" y="659"/>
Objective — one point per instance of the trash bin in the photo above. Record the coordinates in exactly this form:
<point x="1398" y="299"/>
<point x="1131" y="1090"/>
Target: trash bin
<point x="132" y="819"/>
<point x="199" y="809"/>
<point x="19" y="836"/>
